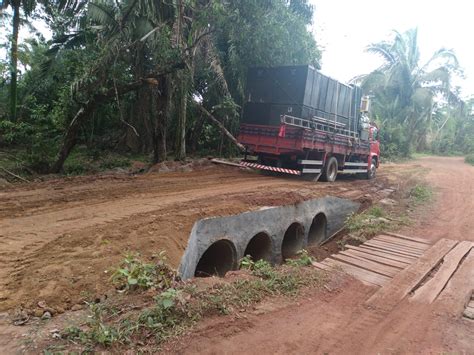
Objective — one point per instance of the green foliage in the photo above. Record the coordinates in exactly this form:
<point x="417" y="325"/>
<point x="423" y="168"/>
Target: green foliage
<point x="104" y="46"/>
<point x="469" y="159"/>
<point x="303" y="259"/>
<point x="421" y="193"/>
<point x="98" y="331"/>
<point x="176" y="308"/>
<point x="405" y="93"/>
<point x="368" y="223"/>
<point x="134" y="274"/>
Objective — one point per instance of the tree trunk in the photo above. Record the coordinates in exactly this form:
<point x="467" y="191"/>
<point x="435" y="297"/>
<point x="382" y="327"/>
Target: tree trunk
<point x="180" y="153"/>
<point x="87" y="108"/>
<point x="71" y="136"/>
<point x="14" y="59"/>
<point x="161" y="112"/>
<point x="196" y="133"/>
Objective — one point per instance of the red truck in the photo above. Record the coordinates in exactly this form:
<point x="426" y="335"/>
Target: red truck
<point x="299" y="121"/>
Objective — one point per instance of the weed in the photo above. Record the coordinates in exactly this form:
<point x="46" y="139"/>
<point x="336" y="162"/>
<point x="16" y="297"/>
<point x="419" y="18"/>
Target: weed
<point x="247" y="263"/>
<point x="368" y="223"/>
<point x="176" y="308"/>
<point x="304" y="259"/>
<point x="98" y="332"/>
<point x="469" y="159"/>
<point x="420" y="193"/>
<point x="133" y="273"/>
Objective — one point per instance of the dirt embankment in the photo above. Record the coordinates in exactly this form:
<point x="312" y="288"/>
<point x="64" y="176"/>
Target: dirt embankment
<point x="339" y="322"/>
<point x="58" y="238"/>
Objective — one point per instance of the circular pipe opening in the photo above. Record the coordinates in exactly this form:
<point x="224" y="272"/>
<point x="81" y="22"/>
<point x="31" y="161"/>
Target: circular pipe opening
<point x="259" y="247"/>
<point x="292" y="241"/>
<point x="318" y="230"/>
<point x="219" y="258"/>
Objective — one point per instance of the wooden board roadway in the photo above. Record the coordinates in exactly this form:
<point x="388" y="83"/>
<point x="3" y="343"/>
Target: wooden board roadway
<point x="378" y="260"/>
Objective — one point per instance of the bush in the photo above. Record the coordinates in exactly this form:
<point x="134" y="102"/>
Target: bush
<point x="469" y="159"/>
<point x="134" y="273"/>
<point x="421" y="193"/>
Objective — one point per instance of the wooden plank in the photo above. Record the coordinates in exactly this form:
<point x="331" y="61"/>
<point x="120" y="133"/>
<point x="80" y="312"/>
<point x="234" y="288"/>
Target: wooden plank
<point x="396" y="247"/>
<point x="458" y="291"/>
<point x="367" y="265"/>
<point x="402" y="242"/>
<point x="419" y="240"/>
<point x="468" y="313"/>
<point x="378" y="259"/>
<point x="363" y="275"/>
<point x="398" y="257"/>
<point x="399" y="246"/>
<point x="396" y="253"/>
<point x="405" y="241"/>
<point x="406" y="280"/>
<point x="433" y="287"/>
<point x="390" y="249"/>
<point x="320" y="266"/>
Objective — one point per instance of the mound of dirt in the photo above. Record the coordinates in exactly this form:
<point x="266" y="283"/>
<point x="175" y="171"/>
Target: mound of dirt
<point x="60" y="238"/>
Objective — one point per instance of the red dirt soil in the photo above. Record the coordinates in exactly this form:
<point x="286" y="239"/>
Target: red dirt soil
<point x="58" y="238"/>
<point x="342" y="323"/>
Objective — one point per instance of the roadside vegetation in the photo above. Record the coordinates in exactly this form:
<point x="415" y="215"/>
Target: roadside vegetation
<point x="152" y="304"/>
<point x="152" y="81"/>
<point x="388" y="214"/>
<point x="406" y="101"/>
<point x="469" y="159"/>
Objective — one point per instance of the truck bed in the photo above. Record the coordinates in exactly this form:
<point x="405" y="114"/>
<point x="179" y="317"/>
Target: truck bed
<point x="280" y="140"/>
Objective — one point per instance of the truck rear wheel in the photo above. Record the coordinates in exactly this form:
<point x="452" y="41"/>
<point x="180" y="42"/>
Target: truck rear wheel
<point x="371" y="171"/>
<point x="330" y="170"/>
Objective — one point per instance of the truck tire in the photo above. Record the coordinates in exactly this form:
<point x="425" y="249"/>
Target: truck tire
<point x="372" y="171"/>
<point x="330" y="170"/>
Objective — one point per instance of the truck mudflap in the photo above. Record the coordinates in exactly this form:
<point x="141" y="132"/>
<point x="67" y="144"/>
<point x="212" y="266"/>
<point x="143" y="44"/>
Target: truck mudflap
<point x="270" y="168"/>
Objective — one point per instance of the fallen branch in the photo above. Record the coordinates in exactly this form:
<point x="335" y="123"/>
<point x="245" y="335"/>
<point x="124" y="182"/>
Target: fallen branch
<point x="219" y="161"/>
<point x="14" y="175"/>
<point x="221" y="126"/>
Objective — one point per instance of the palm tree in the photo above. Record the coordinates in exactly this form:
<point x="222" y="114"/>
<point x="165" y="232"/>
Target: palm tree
<point x="405" y="90"/>
<point x="28" y="6"/>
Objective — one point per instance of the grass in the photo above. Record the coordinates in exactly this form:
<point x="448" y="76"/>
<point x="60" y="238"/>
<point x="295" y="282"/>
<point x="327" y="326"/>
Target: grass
<point x="420" y="193"/>
<point x="83" y="160"/>
<point x="177" y="307"/>
<point x="469" y="159"/>
<point x="368" y="223"/>
<point x="133" y="273"/>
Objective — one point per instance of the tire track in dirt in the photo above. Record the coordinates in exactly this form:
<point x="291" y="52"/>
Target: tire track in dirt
<point x="65" y="233"/>
<point x="342" y="324"/>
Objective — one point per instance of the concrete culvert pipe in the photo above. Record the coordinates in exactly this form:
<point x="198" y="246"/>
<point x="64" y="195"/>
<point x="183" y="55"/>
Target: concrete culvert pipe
<point x="260" y="247"/>
<point x="219" y="258"/>
<point x="292" y="241"/>
<point x="318" y="230"/>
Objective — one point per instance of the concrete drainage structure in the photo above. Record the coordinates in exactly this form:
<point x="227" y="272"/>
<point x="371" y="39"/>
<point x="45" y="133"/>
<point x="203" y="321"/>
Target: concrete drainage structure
<point x="217" y="244"/>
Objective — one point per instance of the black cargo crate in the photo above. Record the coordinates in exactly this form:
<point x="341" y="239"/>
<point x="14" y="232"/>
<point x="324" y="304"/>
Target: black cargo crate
<point x="299" y="91"/>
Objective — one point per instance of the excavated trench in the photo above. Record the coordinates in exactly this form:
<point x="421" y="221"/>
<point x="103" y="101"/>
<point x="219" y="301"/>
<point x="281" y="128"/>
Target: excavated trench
<point x="273" y="234"/>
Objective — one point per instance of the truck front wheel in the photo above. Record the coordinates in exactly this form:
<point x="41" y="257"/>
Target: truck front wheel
<point x="330" y="170"/>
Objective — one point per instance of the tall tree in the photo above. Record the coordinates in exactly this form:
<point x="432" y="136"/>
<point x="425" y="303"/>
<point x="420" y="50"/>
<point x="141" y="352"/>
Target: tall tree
<point x="405" y="90"/>
<point x="27" y="6"/>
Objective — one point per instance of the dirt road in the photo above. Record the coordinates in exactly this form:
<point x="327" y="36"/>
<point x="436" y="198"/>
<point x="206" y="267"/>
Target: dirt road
<point x="453" y="214"/>
<point x="337" y="321"/>
<point x="58" y="238"/>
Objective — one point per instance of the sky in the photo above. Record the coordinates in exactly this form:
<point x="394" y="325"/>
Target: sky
<point x="343" y="29"/>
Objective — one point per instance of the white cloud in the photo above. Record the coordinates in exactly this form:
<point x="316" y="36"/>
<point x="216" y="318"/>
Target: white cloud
<point x="345" y="28"/>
